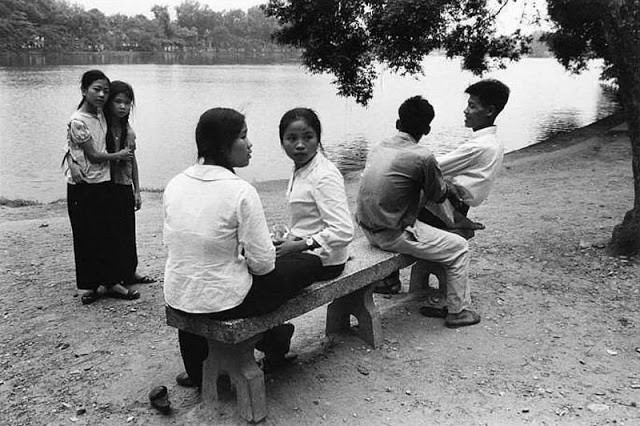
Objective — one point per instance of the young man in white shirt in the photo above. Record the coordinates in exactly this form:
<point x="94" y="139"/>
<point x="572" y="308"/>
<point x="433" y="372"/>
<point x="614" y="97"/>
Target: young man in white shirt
<point x="472" y="168"/>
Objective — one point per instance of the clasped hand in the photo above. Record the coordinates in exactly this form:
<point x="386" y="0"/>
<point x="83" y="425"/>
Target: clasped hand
<point x="291" y="245"/>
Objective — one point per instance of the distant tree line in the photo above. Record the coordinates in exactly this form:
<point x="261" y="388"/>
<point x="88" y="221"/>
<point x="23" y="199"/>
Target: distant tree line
<point x="57" y="26"/>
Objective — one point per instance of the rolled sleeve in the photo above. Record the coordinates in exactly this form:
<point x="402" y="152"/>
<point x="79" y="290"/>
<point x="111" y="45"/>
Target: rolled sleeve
<point x="79" y="133"/>
<point x="433" y="184"/>
<point x="253" y="234"/>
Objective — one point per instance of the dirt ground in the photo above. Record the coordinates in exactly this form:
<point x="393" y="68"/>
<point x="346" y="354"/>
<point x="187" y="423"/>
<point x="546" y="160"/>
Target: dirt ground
<point x="559" y="341"/>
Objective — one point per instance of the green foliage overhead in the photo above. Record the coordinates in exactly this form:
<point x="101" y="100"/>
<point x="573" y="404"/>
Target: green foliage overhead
<point x="350" y="38"/>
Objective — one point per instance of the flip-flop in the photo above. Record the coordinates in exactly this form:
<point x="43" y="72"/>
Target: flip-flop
<point x="129" y="295"/>
<point x="142" y="280"/>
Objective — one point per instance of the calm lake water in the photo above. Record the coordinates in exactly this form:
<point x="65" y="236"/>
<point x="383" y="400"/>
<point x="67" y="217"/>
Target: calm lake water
<point x="37" y="101"/>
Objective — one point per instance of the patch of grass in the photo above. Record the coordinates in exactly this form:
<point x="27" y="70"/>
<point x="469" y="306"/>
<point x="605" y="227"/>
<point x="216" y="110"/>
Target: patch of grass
<point x="19" y="202"/>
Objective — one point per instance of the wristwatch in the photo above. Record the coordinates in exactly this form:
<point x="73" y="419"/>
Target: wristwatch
<point x="309" y="241"/>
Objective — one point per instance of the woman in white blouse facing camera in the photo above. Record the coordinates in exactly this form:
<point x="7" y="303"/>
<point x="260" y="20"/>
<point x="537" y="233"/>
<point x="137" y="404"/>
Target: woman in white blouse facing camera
<point x="321" y="225"/>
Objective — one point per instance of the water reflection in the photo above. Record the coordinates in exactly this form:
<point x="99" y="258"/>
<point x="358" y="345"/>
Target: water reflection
<point x="349" y="155"/>
<point x="38" y="100"/>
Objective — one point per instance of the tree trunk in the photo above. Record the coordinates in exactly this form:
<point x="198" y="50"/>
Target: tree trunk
<point x="625" y="239"/>
<point x="621" y="33"/>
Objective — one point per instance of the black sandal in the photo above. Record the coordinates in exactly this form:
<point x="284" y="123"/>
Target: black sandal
<point x="129" y="295"/>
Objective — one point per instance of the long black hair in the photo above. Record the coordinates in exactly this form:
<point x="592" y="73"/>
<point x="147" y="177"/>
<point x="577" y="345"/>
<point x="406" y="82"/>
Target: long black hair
<point x="115" y="88"/>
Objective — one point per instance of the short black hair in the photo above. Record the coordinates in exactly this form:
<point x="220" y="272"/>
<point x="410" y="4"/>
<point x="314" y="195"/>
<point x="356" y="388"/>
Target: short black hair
<point x="217" y="130"/>
<point x="416" y="114"/>
<point x="490" y="92"/>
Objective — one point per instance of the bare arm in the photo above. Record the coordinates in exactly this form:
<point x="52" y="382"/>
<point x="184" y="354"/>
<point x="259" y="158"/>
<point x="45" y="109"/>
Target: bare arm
<point x="95" y="156"/>
<point x="136" y="183"/>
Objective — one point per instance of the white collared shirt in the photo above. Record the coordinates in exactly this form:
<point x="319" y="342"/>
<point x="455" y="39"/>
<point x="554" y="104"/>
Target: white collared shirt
<point x="319" y="209"/>
<point x="474" y="165"/>
<point x="217" y="236"/>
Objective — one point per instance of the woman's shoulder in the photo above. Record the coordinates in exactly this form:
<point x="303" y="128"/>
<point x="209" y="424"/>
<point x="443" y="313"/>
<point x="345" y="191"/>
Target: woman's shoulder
<point x="327" y="168"/>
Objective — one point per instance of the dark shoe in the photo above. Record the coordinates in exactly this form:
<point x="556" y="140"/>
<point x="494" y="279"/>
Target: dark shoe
<point x="434" y="311"/>
<point x="89" y="297"/>
<point x="276" y="341"/>
<point x="273" y="364"/>
<point x="159" y="398"/>
<point x="462" y="319"/>
<point x="389" y="285"/>
<point x="185" y="381"/>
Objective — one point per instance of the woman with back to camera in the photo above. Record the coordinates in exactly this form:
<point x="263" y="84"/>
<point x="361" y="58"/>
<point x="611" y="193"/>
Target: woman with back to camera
<point x="221" y="261"/>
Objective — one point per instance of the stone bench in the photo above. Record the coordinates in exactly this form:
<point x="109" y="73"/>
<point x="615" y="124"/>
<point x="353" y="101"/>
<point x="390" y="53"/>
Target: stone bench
<point x="232" y="342"/>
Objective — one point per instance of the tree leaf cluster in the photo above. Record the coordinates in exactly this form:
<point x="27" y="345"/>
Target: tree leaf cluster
<point x="56" y="25"/>
<point x="349" y="39"/>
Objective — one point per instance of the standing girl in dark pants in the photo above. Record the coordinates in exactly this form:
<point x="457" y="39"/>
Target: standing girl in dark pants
<point x="88" y="187"/>
<point x="126" y="186"/>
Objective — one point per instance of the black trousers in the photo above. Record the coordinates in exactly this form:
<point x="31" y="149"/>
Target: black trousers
<point x="88" y="205"/>
<point x="292" y="273"/>
<point x="123" y="235"/>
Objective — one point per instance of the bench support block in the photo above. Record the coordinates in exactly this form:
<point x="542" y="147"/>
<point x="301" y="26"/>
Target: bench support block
<point x="420" y="272"/>
<point x="238" y="362"/>
<point x="360" y="304"/>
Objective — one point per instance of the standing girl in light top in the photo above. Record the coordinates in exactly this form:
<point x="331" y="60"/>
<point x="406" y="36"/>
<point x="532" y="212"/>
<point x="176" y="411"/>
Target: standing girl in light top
<point x="221" y="262"/>
<point x="88" y="187"/>
<point x="321" y="225"/>
<point x="126" y="186"/>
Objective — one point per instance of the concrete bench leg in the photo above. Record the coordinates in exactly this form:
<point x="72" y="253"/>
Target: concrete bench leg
<point x="246" y="377"/>
<point x="419" y="280"/>
<point x="360" y="304"/>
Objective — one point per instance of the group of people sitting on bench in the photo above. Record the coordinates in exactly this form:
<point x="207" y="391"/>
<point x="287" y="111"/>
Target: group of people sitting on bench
<point x="224" y="263"/>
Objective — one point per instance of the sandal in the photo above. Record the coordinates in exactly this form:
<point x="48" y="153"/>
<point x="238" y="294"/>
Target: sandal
<point x="129" y="295"/>
<point x="142" y="279"/>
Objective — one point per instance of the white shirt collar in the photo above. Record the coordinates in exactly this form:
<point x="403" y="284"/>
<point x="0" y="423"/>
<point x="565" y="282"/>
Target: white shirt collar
<point x="491" y="130"/>
<point x="209" y="172"/>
